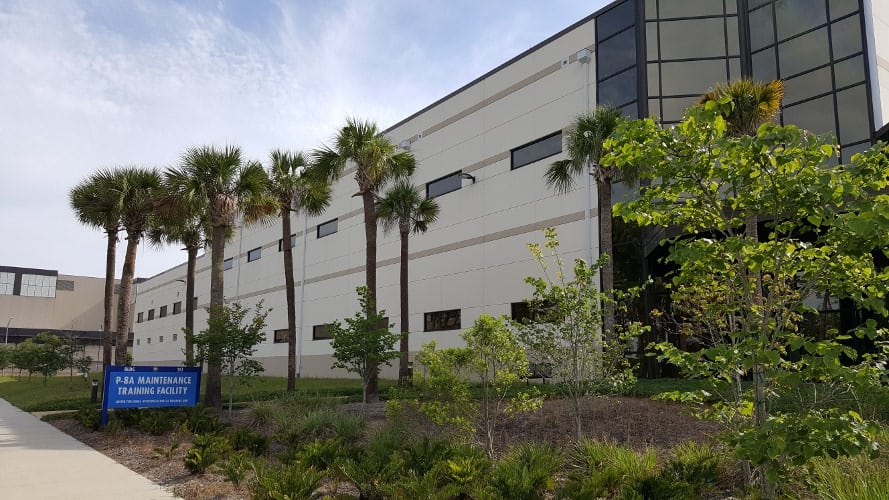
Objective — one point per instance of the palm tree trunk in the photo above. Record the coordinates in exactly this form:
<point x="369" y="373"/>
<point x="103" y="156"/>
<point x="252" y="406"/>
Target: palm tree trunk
<point x="370" y="266"/>
<point x="189" y="304"/>
<point x="404" y="347"/>
<point x="289" y="286"/>
<point x="213" y="397"/>
<point x="124" y="304"/>
<point x="110" y="263"/>
<point x="606" y="244"/>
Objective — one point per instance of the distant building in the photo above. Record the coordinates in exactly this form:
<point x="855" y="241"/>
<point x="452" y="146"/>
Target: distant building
<point x="33" y="301"/>
<point x="482" y="150"/>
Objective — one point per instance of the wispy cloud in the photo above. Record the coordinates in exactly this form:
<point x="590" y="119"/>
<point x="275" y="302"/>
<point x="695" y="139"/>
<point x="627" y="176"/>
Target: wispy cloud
<point x="90" y="84"/>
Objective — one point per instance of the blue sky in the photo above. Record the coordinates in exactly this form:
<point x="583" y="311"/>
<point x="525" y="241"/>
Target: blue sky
<point x="99" y="83"/>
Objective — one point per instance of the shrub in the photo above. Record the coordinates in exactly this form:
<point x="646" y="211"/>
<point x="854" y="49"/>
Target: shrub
<point x="421" y="456"/>
<point x="468" y="469"/>
<point x="262" y="413"/>
<point x="852" y="478"/>
<point x="91" y="418"/>
<point x="526" y="471"/>
<point x="603" y="469"/>
<point x="206" y="450"/>
<point x="156" y="422"/>
<point x="287" y="481"/>
<point x="236" y="466"/>
<point x="200" y="419"/>
<point x="321" y="455"/>
<point x="245" y="439"/>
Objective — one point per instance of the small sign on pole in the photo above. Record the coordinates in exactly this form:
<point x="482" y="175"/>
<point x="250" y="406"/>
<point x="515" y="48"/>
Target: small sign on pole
<point x="150" y="387"/>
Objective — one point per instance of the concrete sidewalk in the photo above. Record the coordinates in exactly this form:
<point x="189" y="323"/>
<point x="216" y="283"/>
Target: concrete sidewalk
<point x="38" y="461"/>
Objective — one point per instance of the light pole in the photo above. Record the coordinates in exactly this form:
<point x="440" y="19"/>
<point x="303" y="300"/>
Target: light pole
<point x="584" y="56"/>
<point x="6" y="338"/>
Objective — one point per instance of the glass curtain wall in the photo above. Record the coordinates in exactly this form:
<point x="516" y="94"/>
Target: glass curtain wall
<point x="616" y="69"/>
<point x="817" y="48"/>
<point x="690" y="46"/>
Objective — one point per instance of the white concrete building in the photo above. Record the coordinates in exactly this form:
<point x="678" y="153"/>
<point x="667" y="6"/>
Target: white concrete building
<point x="481" y="151"/>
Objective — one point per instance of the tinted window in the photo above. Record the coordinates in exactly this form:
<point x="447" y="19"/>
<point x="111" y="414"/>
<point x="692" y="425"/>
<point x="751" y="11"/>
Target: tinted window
<point x="281" y="336"/>
<point x="795" y="16"/>
<point x="292" y="243"/>
<point x="444" y="185"/>
<point x="150" y="314"/>
<point x="615" y="20"/>
<point x="807" y="85"/>
<point x="616" y="54"/>
<point x="816" y="116"/>
<point x="139" y="317"/>
<point x="693" y="38"/>
<point x="228" y="263"/>
<point x="177" y="307"/>
<point x="254" y="254"/>
<point x="805" y="52"/>
<point x="651" y="42"/>
<point x="764" y="66"/>
<point x="762" y="30"/>
<point x="691" y="77"/>
<point x="654" y="82"/>
<point x="619" y="89"/>
<point x="839" y="8"/>
<point x="854" y="120"/>
<point x="689" y="8"/>
<point x="441" y="320"/>
<point x="537" y="150"/>
<point x="673" y="108"/>
<point x="849" y="71"/>
<point x="846" y="37"/>
<point x="321" y="332"/>
<point x="163" y="312"/>
<point x="327" y="228"/>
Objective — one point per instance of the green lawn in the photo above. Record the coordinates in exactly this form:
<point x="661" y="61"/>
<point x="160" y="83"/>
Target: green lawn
<point x="62" y="393"/>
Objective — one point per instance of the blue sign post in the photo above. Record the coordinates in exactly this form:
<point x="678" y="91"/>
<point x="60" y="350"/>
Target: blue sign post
<point x="149" y="387"/>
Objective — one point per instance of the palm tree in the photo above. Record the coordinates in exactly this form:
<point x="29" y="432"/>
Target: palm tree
<point x="139" y="191"/>
<point x="183" y="224"/>
<point x="95" y="204"/>
<point x="585" y="145"/>
<point x="227" y="186"/>
<point x="377" y="163"/>
<point x="405" y="208"/>
<point x="296" y="191"/>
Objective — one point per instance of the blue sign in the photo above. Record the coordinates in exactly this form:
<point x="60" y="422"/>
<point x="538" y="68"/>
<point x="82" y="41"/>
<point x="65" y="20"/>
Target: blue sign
<point x="149" y="387"/>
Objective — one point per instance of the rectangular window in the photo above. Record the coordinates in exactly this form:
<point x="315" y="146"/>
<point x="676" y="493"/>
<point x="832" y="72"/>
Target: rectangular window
<point x="537" y="150"/>
<point x="281" y="336"/>
<point x="194" y="304"/>
<point x="228" y="263"/>
<point x="292" y="243"/>
<point x="7" y="282"/>
<point x="528" y="311"/>
<point x="150" y="314"/>
<point x="160" y="339"/>
<point x="140" y="317"/>
<point x="254" y="254"/>
<point x="175" y="337"/>
<point x="65" y="285"/>
<point x="148" y="340"/>
<point x="441" y="320"/>
<point x="177" y="307"/>
<point x="327" y="228"/>
<point x="138" y="341"/>
<point x="444" y="185"/>
<point x="163" y="312"/>
<point x="38" y="285"/>
<point x="321" y="332"/>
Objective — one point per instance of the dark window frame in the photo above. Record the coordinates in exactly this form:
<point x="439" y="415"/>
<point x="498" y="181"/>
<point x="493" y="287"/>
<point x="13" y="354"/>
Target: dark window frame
<point x="512" y="152"/>
<point x="140" y="317"/>
<point x="326" y="335"/>
<point x="150" y="314"/>
<point x="292" y="242"/>
<point x="163" y="312"/>
<point x="450" y="188"/>
<point x="280" y="336"/>
<point x="324" y="227"/>
<point x="254" y="254"/>
<point x="194" y="305"/>
<point x="228" y="263"/>
<point x="177" y="307"/>
<point x="438" y="321"/>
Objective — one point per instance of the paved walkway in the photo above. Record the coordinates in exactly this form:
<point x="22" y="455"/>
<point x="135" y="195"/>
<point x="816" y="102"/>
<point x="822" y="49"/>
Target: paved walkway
<point x="38" y="461"/>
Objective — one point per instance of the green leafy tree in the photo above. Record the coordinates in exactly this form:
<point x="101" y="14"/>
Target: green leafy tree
<point x="44" y="354"/>
<point x="95" y="201"/>
<point x="295" y="191"/>
<point x="226" y="186"/>
<point x="377" y="163"/>
<point x="708" y="182"/>
<point x="5" y="359"/>
<point x="230" y="343"/>
<point x="494" y="358"/>
<point x="364" y="343"/>
<point x="564" y="331"/>
<point x="405" y="208"/>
